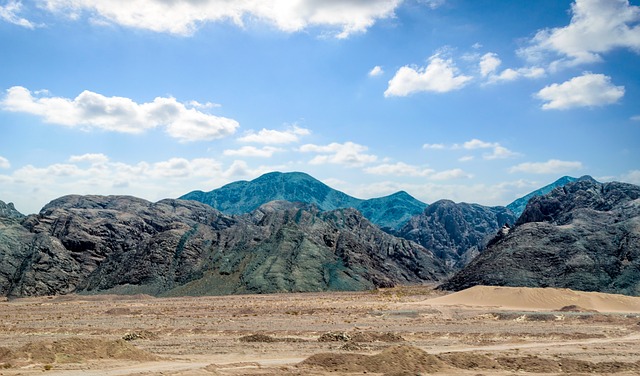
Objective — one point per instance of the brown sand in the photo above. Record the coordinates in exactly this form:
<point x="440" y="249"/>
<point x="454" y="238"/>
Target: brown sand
<point x="538" y="299"/>
<point x="400" y="331"/>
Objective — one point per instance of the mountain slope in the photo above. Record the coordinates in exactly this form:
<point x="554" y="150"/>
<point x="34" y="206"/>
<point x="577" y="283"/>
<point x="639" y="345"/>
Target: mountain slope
<point x="583" y="236"/>
<point x="245" y="196"/>
<point x="518" y="206"/>
<point x="121" y="244"/>
<point x="456" y="232"/>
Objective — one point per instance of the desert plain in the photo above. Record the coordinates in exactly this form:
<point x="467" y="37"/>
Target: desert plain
<point x="399" y="331"/>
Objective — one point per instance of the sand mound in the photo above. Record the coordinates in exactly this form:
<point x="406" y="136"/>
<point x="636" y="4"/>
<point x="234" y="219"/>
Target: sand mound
<point x="74" y="350"/>
<point x="547" y="299"/>
<point x="392" y="360"/>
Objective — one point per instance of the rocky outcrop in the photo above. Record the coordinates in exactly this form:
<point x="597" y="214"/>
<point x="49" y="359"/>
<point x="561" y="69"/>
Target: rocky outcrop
<point x="121" y="244"/>
<point x="458" y="232"/>
<point x="9" y="211"/>
<point x="389" y="212"/>
<point x="583" y="236"/>
<point x="518" y="206"/>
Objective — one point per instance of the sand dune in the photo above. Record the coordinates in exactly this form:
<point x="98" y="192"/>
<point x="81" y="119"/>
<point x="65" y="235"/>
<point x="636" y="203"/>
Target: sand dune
<point x="537" y="299"/>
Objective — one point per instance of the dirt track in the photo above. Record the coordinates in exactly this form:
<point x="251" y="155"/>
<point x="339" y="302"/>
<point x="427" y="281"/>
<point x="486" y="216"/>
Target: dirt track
<point x="202" y="336"/>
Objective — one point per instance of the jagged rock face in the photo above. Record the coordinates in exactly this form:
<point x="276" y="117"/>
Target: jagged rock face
<point x="242" y="197"/>
<point x="119" y="244"/>
<point x="518" y="206"/>
<point x="9" y="211"/>
<point x="583" y="236"/>
<point x="456" y="232"/>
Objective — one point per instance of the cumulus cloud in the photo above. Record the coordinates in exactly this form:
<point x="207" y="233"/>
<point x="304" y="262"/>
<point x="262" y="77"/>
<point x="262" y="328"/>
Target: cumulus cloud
<point x="510" y="74"/>
<point x="438" y="76"/>
<point x="4" y="163"/>
<point x="552" y="166"/>
<point x="90" y="158"/>
<point x="587" y="90"/>
<point x="184" y="17"/>
<point x="91" y="110"/>
<point x="10" y="13"/>
<point x="376" y="71"/>
<point x="489" y="62"/>
<point x="399" y="169"/>
<point x="498" y="151"/>
<point x="596" y="27"/>
<point x="252" y="151"/>
<point x="272" y="137"/>
<point x="349" y="154"/>
<point x="433" y="146"/>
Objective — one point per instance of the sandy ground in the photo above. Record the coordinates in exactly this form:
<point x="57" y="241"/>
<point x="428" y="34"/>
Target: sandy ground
<point x="400" y="331"/>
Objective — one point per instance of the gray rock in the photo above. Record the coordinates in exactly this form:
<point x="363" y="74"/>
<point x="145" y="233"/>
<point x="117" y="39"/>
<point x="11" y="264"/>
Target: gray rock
<point x="458" y="232"/>
<point x="583" y="236"/>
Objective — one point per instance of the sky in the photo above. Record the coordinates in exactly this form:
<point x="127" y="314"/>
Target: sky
<point x="475" y="101"/>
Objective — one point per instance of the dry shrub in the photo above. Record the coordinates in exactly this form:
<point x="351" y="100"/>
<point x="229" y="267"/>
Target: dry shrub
<point x="375" y="337"/>
<point x="469" y="361"/>
<point x="257" y="338"/>
<point x="529" y="364"/>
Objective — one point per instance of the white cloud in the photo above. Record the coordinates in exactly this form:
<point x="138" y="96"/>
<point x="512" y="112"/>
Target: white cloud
<point x="399" y="169"/>
<point x="10" y="11"/>
<point x="552" y="166"/>
<point x="271" y="137"/>
<point x="510" y="74"/>
<point x="455" y="173"/>
<point x="252" y="151"/>
<point x="433" y="146"/>
<point x="489" y="63"/>
<point x="348" y="154"/>
<point x="184" y="17"/>
<point x="89" y="157"/>
<point x="635" y="118"/>
<point x="4" y="163"/>
<point x="500" y="152"/>
<point x="439" y="76"/>
<point x="466" y="158"/>
<point x="477" y="144"/>
<point x="583" y="91"/>
<point x="596" y="27"/>
<point x="376" y="71"/>
<point x="632" y="177"/>
<point x="92" y="110"/>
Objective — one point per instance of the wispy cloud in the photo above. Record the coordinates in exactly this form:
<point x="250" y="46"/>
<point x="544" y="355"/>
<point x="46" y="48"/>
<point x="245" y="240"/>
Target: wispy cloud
<point x="343" y="18"/>
<point x="587" y="90"/>
<point x="552" y="166"/>
<point x="439" y="76"/>
<point x="399" y="169"/>
<point x="252" y="151"/>
<point x="348" y="154"/>
<point x="498" y="151"/>
<point x="272" y="137"/>
<point x="91" y="110"/>
<point x="4" y="163"/>
<point x="10" y="13"/>
<point x="376" y="71"/>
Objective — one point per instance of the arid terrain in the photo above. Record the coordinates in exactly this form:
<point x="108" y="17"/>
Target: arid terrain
<point x="399" y="331"/>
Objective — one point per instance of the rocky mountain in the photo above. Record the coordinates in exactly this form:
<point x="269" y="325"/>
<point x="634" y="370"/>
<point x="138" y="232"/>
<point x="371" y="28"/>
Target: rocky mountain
<point x="121" y="244"/>
<point x="518" y="206"/>
<point x="456" y="232"/>
<point x="584" y="236"/>
<point x="245" y="196"/>
<point x="9" y="211"/>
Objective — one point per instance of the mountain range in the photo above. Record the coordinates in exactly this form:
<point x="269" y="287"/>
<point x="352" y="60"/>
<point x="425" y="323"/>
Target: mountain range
<point x="583" y="236"/>
<point x="290" y="232"/>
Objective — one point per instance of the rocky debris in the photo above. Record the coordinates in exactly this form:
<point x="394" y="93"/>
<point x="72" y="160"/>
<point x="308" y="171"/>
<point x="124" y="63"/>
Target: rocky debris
<point x="263" y="338"/>
<point x="126" y="245"/>
<point x="583" y="236"/>
<point x="334" y="337"/>
<point x="458" y="232"/>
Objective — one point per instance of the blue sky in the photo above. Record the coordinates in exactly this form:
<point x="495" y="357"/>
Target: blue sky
<point x="477" y="100"/>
